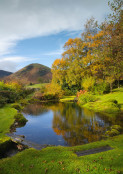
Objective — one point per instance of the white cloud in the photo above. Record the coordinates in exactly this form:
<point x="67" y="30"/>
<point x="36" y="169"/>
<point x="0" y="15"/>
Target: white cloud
<point x="21" y="19"/>
<point x="11" y="63"/>
<point x="17" y="59"/>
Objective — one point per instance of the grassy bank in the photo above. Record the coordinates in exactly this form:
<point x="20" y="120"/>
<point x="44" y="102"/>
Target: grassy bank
<point x="67" y="98"/>
<point x="104" y="102"/>
<point x="6" y="120"/>
<point x="63" y="160"/>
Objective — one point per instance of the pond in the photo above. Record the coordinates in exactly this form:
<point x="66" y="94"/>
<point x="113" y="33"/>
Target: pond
<point x="65" y="124"/>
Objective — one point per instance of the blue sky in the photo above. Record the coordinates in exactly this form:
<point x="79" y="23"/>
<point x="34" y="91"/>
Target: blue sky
<point x="44" y="50"/>
<point x="35" y="31"/>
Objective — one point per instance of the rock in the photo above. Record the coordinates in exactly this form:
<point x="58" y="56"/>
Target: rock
<point x="22" y="136"/>
<point x="16" y="124"/>
<point x="20" y="147"/>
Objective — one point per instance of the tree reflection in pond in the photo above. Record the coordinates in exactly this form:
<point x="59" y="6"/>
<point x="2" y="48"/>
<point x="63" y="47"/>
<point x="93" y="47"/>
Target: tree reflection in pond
<point x="77" y="125"/>
<point x="63" y="124"/>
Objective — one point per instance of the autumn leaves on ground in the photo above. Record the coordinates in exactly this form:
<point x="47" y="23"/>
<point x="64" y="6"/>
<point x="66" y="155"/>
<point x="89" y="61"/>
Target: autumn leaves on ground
<point x="90" y="72"/>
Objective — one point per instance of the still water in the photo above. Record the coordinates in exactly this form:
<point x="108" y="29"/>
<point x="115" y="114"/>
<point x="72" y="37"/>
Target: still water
<point x="64" y="124"/>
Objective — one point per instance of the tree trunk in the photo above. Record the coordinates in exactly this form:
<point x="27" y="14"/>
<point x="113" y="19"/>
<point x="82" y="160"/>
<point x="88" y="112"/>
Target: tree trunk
<point x="118" y="82"/>
<point x="111" y="87"/>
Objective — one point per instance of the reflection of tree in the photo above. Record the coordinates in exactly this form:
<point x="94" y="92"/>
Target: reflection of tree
<point x="35" y="109"/>
<point x="77" y="125"/>
<point x="74" y="124"/>
<point x="39" y="108"/>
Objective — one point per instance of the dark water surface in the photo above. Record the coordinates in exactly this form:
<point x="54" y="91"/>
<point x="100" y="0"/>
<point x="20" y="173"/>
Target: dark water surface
<point x="64" y="124"/>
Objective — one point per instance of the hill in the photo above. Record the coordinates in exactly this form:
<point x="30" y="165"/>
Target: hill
<point x="4" y="73"/>
<point x="33" y="73"/>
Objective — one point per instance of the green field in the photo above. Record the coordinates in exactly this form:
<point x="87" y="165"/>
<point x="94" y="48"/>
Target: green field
<point x="104" y="104"/>
<point x="40" y="85"/>
<point x="6" y="120"/>
<point x="61" y="160"/>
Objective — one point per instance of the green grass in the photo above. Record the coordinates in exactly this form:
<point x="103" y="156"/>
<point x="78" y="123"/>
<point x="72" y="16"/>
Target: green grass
<point x="117" y="94"/>
<point x="6" y="120"/>
<point x="37" y="85"/>
<point x="67" y="98"/>
<point x="103" y="103"/>
<point x="63" y="160"/>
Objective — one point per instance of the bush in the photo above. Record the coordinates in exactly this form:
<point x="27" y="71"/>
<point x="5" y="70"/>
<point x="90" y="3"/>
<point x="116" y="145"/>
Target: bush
<point x="54" y="89"/>
<point x="23" y="102"/>
<point x="26" y="92"/>
<point x="20" y="119"/>
<point x="40" y="96"/>
<point x="117" y="127"/>
<point x="2" y="101"/>
<point x="17" y="106"/>
<point x="85" y="98"/>
<point x="10" y="96"/>
<point x="88" y="82"/>
<point x="80" y="92"/>
<point x="100" y="88"/>
<point x="11" y="92"/>
<point x="112" y="133"/>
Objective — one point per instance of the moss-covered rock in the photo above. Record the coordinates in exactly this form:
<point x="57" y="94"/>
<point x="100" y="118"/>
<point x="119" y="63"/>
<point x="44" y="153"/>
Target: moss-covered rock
<point x="117" y="127"/>
<point x="20" y="119"/>
<point x="24" y="102"/>
<point x="112" y="133"/>
<point x="17" y="106"/>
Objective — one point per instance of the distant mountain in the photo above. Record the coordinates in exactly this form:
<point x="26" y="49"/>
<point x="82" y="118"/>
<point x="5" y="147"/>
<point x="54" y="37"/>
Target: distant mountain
<point x="4" y="73"/>
<point x="33" y="73"/>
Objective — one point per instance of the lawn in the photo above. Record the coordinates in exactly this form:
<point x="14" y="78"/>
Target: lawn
<point x="52" y="160"/>
<point x="37" y="85"/>
<point x="104" y="104"/>
<point x="116" y="94"/>
<point x="6" y="120"/>
<point x="67" y="98"/>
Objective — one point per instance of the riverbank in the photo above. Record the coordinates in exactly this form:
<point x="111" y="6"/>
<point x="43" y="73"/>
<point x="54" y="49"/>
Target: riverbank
<point x="104" y="103"/>
<point x="7" y="115"/>
<point x="64" y="160"/>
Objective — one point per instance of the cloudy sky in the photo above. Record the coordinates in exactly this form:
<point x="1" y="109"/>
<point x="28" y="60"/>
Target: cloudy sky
<point x="34" y="31"/>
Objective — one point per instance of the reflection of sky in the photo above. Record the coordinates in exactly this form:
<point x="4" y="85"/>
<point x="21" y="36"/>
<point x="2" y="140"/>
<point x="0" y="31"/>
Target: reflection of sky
<point x="39" y="130"/>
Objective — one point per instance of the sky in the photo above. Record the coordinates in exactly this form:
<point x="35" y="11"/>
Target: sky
<point x="35" y="31"/>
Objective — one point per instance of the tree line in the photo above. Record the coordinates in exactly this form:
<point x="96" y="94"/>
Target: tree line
<point x="94" y="59"/>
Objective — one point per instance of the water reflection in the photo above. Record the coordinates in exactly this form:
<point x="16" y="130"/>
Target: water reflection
<point x="63" y="124"/>
<point x="77" y="125"/>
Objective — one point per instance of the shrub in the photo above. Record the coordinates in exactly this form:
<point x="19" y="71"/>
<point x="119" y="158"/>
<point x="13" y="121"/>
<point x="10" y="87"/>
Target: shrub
<point x="17" y="106"/>
<point x="100" y="88"/>
<point x="26" y="91"/>
<point x="85" y="98"/>
<point x="2" y="101"/>
<point x="81" y="92"/>
<point x="10" y="96"/>
<point x="88" y="82"/>
<point x="55" y="89"/>
<point x="23" y="102"/>
<point x="40" y="96"/>
<point x="20" y="119"/>
<point x="117" y="127"/>
<point x="112" y="133"/>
